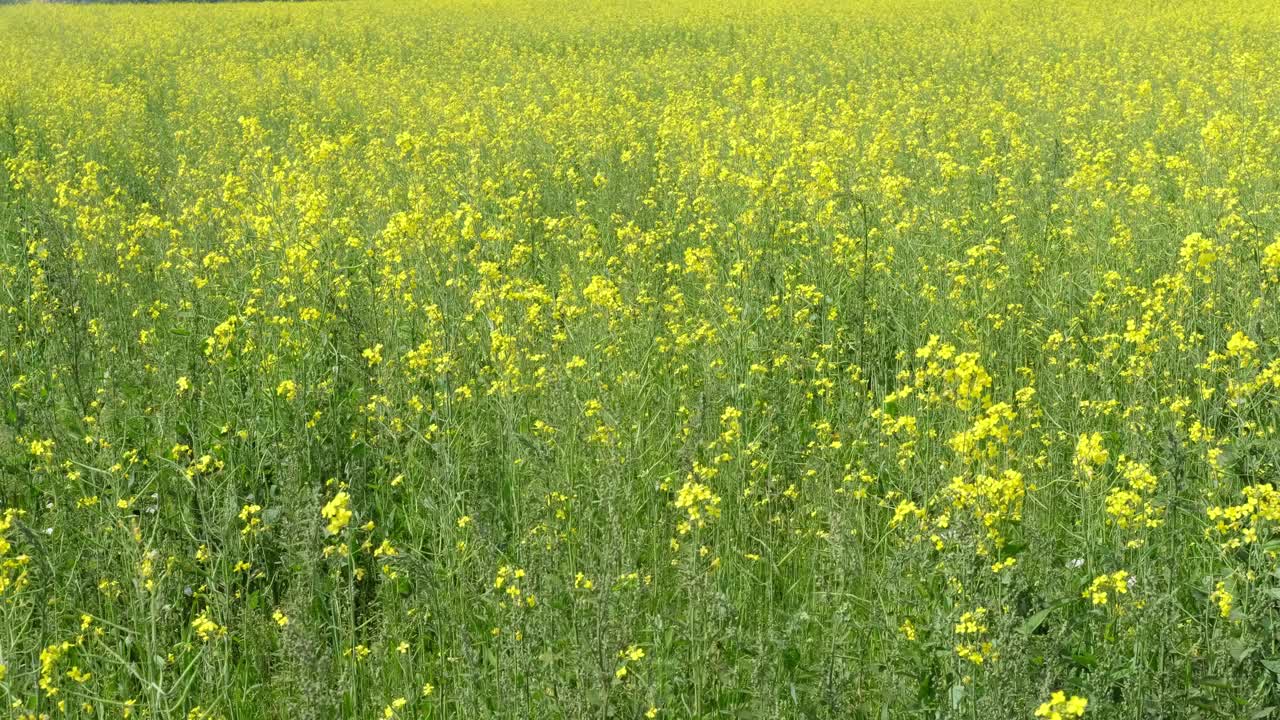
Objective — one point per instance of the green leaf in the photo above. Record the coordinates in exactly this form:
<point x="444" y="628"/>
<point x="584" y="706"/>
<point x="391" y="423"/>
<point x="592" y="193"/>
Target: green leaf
<point x="1013" y="549"/>
<point x="1084" y="660"/>
<point x="1239" y="649"/>
<point x="790" y="659"/>
<point x="957" y="695"/>
<point x="1030" y="624"/>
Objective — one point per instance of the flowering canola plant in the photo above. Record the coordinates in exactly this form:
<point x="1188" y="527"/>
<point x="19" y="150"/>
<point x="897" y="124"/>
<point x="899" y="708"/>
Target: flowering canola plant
<point x="378" y="359"/>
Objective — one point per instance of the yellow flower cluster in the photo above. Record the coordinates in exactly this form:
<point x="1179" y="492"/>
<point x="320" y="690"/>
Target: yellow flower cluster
<point x="1060" y="707"/>
<point x="1223" y="598"/>
<point x="336" y="512"/>
<point x="699" y="504"/>
<point x="576" y="359"/>
<point x="1245" y="523"/>
<point x="1091" y="454"/>
<point x="1107" y="587"/>
<point x="13" y="573"/>
<point x="1129" y="506"/>
<point x="971" y="631"/>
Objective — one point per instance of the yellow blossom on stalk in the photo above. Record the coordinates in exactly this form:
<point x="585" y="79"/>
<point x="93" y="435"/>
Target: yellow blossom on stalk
<point x="602" y="293"/>
<point x="7" y="519"/>
<point x="1003" y="564"/>
<point x="1105" y="587"/>
<point x="1198" y="253"/>
<point x="287" y="389"/>
<point x="1271" y="256"/>
<point x="906" y="509"/>
<point x="1129" y="506"/>
<point x="968" y="380"/>
<point x="1091" y="454"/>
<point x="249" y="515"/>
<point x="1222" y="598"/>
<point x="336" y="512"/>
<point x="987" y="435"/>
<point x="42" y="449"/>
<point x="1060" y="707"/>
<point x="206" y="628"/>
<point x="49" y="657"/>
<point x="632" y="654"/>
<point x="971" y="631"/>
<point x="698" y="502"/>
<point x="392" y="710"/>
<point x="1241" y="347"/>
<point x="1247" y="522"/>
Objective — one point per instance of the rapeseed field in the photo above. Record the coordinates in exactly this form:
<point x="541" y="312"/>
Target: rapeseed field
<point x="605" y="359"/>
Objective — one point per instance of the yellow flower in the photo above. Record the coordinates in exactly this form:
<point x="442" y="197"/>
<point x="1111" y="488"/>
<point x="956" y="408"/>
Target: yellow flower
<point x="48" y="659"/>
<point x="206" y="628"/>
<point x="1271" y="256"/>
<point x="1198" y="252"/>
<point x="1223" y="598"/>
<point x="1104" y="586"/>
<point x="633" y="653"/>
<point x="1090" y="453"/>
<point x="392" y="710"/>
<point x="1241" y="346"/>
<point x="336" y="512"/>
<point x="972" y="646"/>
<point x="699" y="502"/>
<point x="1060" y="707"/>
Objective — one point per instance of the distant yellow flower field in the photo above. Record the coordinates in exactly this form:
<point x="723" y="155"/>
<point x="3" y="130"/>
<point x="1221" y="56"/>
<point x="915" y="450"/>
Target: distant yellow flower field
<point x="607" y="359"/>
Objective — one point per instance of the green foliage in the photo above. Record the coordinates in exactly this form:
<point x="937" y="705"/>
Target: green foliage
<point x="603" y="360"/>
